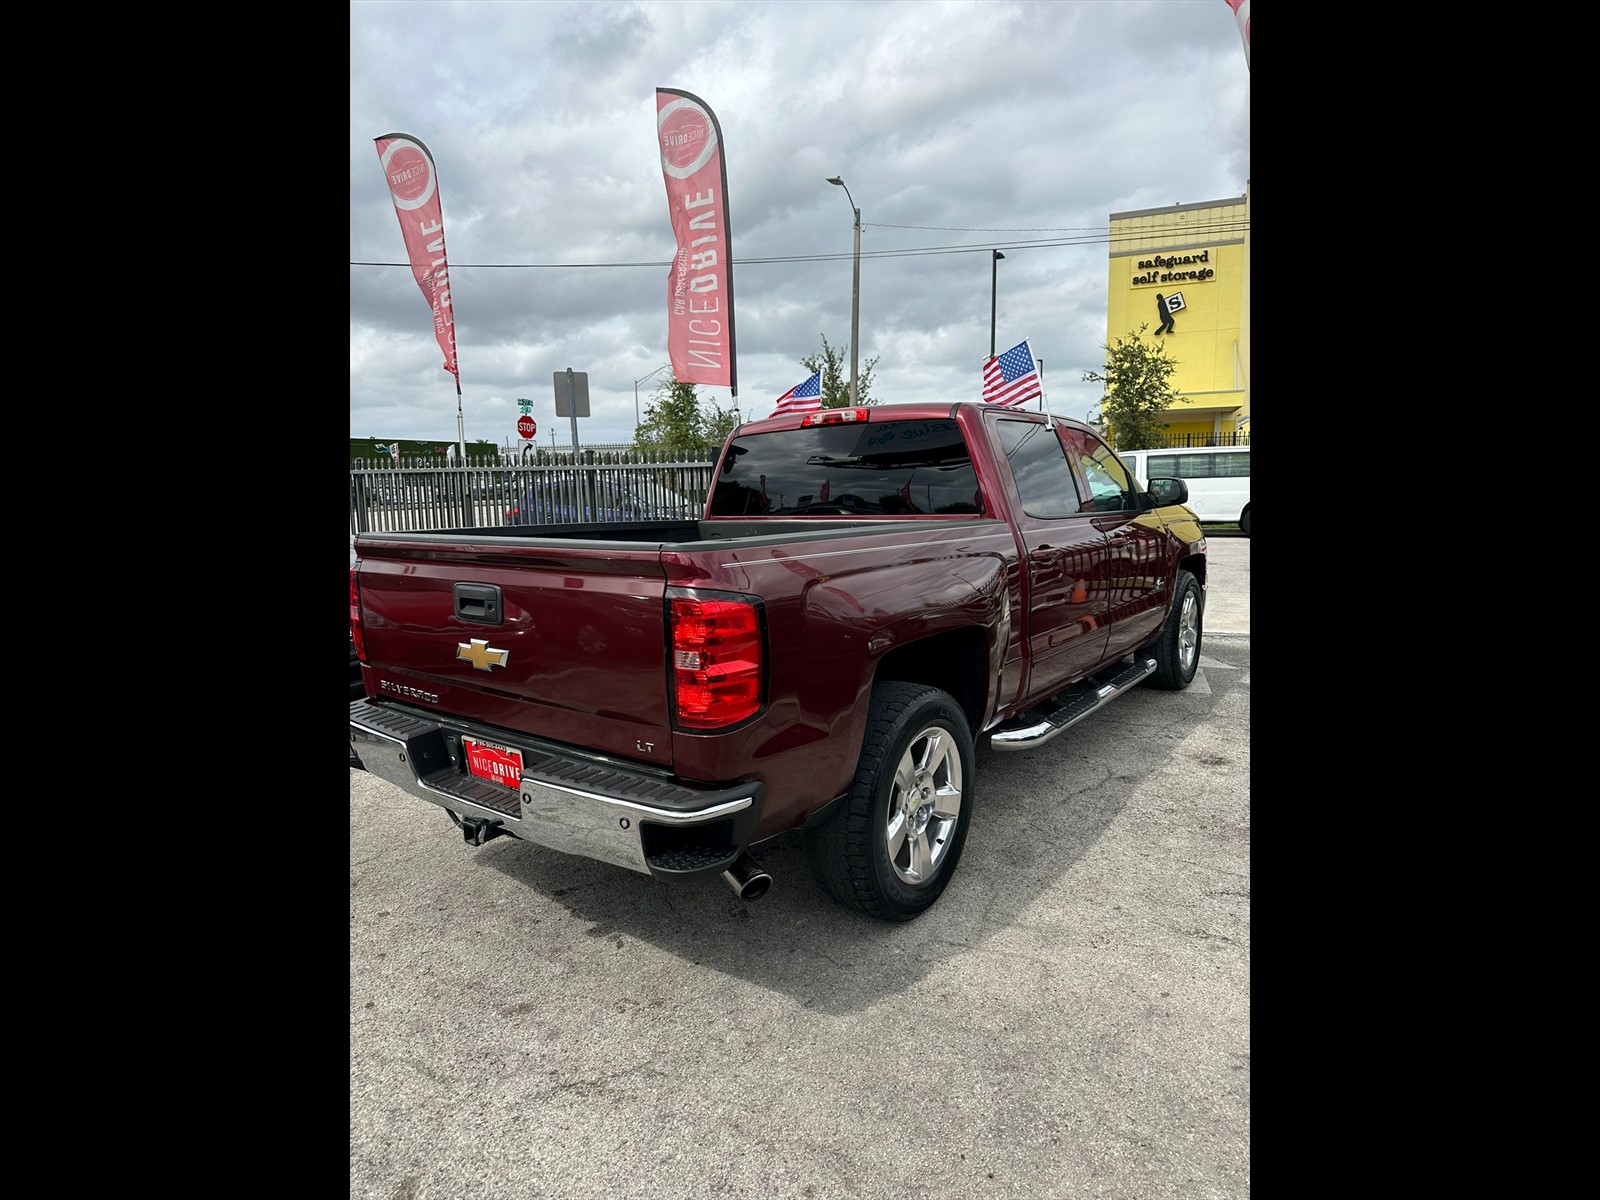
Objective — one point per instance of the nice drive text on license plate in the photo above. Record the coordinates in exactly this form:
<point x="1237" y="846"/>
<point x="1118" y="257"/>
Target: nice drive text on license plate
<point x="497" y="764"/>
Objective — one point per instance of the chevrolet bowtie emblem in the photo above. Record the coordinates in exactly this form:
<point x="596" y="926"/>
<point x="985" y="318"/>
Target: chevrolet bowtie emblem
<point x="481" y="656"/>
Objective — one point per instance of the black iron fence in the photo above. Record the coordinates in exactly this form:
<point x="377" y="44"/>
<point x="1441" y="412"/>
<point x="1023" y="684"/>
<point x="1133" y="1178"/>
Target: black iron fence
<point x="1174" y="441"/>
<point x="539" y="487"/>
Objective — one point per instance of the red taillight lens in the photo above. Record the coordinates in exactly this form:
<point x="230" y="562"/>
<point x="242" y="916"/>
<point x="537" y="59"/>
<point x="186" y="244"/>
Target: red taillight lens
<point x="356" y="633"/>
<point x="716" y="661"/>
<point x="836" y="416"/>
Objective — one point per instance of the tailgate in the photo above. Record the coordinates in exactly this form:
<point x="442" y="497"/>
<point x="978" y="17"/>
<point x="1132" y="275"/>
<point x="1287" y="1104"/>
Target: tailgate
<point x="557" y="641"/>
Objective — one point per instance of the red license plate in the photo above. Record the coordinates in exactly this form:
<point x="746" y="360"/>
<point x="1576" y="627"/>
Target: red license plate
<point x="497" y="764"/>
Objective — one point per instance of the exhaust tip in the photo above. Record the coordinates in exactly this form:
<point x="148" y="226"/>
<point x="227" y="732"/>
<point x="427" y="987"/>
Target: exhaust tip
<point x="757" y="887"/>
<point x="748" y="881"/>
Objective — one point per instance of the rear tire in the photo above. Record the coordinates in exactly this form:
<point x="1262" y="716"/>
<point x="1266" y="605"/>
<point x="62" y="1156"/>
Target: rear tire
<point x="1244" y="522"/>
<point x="1177" y="650"/>
<point x="891" y="846"/>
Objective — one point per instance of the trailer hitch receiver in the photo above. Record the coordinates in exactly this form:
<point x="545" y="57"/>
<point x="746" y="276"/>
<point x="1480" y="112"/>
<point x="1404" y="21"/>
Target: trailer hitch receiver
<point x="475" y="831"/>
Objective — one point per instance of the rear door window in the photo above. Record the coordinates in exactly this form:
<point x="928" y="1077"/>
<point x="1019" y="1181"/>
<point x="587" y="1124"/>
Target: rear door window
<point x="1039" y="467"/>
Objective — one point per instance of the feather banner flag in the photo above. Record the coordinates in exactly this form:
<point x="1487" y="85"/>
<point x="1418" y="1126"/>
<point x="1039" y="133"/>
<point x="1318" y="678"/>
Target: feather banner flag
<point x="414" y="186"/>
<point x="802" y="397"/>
<point x="1241" y="14"/>
<point x="700" y="283"/>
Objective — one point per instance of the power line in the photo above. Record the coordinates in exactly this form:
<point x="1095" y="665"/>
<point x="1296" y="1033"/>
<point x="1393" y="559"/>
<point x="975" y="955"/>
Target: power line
<point x="1141" y="236"/>
<point x="970" y="229"/>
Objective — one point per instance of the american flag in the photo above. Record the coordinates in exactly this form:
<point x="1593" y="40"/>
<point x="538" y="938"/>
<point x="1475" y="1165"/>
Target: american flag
<point x="802" y="397"/>
<point x="1013" y="378"/>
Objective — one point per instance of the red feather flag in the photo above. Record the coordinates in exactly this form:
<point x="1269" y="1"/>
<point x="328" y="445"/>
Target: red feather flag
<point x="414" y="186"/>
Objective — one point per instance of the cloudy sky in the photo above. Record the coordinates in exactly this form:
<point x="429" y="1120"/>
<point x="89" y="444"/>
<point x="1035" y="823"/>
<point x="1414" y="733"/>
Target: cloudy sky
<point x="958" y="128"/>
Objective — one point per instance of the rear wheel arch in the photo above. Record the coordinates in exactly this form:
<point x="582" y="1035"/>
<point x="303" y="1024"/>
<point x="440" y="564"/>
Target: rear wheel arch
<point x="955" y="661"/>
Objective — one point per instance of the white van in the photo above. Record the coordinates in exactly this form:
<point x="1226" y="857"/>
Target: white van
<point x="1218" y="479"/>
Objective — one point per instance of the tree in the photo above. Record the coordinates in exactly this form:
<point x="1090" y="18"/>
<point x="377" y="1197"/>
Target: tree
<point x="718" y="426"/>
<point x="1138" y="391"/>
<point x="673" y="420"/>
<point x="836" y="376"/>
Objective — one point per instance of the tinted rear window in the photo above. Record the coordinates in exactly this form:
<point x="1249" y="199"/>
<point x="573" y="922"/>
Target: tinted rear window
<point x="892" y="467"/>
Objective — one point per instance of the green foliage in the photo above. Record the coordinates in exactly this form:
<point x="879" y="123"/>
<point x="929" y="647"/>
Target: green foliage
<point x="673" y="420"/>
<point x="835" y="367"/>
<point x="718" y="425"/>
<point x="1138" y="390"/>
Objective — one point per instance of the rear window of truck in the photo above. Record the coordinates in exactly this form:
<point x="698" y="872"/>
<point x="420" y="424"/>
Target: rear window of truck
<point x="895" y="468"/>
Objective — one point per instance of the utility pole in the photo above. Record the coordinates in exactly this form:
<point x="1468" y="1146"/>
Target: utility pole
<point x="855" y="291"/>
<point x="994" y="292"/>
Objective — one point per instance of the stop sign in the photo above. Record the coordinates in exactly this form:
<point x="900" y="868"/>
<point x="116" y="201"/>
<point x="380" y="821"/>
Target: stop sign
<point x="526" y="427"/>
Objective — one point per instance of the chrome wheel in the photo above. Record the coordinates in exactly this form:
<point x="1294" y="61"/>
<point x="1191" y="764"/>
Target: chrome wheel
<point x="1189" y="631"/>
<point x="890" y="848"/>
<point x="924" y="805"/>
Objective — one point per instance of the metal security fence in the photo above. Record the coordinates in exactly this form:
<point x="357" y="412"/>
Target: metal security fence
<point x="543" y="487"/>
<point x="539" y="488"/>
<point x="1174" y="441"/>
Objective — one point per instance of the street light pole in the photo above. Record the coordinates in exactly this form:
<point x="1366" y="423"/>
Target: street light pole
<point x="855" y="291"/>
<point x="636" y="384"/>
<point x="994" y="291"/>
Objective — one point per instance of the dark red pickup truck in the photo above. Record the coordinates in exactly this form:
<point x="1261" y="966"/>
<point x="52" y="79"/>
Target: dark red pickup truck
<point x="869" y="593"/>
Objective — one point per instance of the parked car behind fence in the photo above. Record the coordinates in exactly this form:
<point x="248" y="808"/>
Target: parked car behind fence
<point x="614" y="487"/>
<point x="559" y="501"/>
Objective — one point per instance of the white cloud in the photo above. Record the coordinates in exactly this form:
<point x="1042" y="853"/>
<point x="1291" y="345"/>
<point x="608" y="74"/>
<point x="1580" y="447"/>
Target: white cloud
<point x="958" y="126"/>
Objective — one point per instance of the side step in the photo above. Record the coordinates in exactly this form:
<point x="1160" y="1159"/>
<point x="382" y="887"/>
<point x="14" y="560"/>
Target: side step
<point x="1038" y="725"/>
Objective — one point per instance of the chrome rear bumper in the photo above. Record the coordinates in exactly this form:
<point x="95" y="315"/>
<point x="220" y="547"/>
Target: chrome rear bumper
<point x="588" y="806"/>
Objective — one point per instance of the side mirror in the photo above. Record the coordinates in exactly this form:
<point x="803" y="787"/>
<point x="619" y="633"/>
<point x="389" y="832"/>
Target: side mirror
<point x="1168" y="491"/>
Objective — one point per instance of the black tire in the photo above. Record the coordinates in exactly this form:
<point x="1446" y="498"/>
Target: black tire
<point x="1177" y="650"/>
<point x="918" y="747"/>
<point x="1244" y="522"/>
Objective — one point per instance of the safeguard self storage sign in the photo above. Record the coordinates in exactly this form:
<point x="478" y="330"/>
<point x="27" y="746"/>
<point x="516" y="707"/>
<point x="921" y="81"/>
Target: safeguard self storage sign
<point x="1174" y="268"/>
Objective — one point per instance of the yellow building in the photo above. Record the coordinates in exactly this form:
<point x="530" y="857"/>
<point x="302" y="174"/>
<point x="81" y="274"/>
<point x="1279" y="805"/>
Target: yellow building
<point x="1196" y="258"/>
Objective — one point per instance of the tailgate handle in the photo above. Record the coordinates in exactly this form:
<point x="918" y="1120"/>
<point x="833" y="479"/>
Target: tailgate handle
<point x="479" y="603"/>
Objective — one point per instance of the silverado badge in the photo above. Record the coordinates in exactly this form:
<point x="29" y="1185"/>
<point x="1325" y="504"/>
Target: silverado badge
<point x="481" y="655"/>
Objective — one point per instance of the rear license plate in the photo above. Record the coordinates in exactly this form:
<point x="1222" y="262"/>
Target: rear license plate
<point x="497" y="764"/>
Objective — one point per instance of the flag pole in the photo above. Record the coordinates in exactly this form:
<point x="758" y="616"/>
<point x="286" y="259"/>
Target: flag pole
<point x="1044" y="407"/>
<point x="461" y="427"/>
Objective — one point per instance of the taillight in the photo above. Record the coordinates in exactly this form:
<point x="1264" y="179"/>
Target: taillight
<point x="356" y="634"/>
<point x="836" y="416"/>
<point x="716" y="661"/>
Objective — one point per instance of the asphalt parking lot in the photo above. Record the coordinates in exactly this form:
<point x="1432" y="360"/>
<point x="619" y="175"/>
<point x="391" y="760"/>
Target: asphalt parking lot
<point x="1071" y="1019"/>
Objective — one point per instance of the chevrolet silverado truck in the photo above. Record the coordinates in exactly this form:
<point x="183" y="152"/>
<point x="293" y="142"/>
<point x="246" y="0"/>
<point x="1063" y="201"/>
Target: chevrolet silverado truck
<point x="869" y="594"/>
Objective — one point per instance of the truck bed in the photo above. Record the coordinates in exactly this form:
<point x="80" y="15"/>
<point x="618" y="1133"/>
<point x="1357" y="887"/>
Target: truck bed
<point x="667" y="533"/>
<point x="565" y="626"/>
